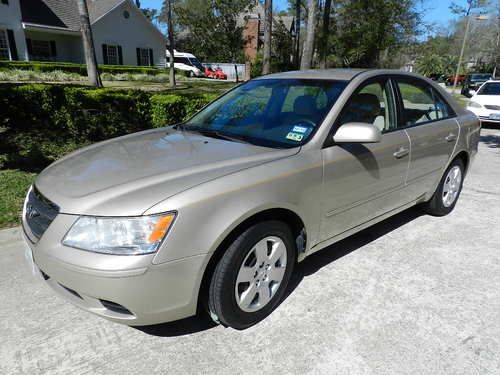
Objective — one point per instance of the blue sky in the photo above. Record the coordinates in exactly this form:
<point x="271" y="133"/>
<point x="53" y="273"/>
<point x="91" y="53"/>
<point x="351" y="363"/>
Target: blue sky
<point x="436" y="11"/>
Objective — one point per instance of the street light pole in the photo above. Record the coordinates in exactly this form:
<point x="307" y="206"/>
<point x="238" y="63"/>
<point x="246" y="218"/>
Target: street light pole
<point x="461" y="53"/>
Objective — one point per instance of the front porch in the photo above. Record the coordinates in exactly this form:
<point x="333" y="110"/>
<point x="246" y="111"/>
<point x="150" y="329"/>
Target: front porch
<point x="53" y="44"/>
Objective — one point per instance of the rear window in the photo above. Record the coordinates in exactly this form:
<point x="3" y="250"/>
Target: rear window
<point x="490" y="89"/>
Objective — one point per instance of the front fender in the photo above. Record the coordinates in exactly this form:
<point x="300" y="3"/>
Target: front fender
<point x="209" y="212"/>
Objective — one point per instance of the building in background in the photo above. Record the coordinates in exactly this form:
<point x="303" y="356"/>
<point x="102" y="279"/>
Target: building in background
<point x="49" y="30"/>
<point x="253" y="34"/>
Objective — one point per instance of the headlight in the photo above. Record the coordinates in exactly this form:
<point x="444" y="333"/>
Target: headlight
<point x="474" y="105"/>
<point x="119" y="235"/>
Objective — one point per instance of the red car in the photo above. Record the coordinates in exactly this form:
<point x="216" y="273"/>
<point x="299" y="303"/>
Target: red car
<point x="460" y="80"/>
<point x="216" y="74"/>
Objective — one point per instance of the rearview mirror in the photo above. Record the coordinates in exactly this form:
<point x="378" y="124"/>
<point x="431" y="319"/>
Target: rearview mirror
<point x="357" y="132"/>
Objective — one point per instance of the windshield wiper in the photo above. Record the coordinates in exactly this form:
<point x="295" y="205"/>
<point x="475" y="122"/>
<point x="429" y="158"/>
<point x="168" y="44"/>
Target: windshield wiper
<point x="213" y="133"/>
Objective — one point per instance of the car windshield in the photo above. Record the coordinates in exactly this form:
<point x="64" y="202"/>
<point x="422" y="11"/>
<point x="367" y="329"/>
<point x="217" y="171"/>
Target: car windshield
<point x="279" y="113"/>
<point x="480" y="77"/>
<point x="492" y="88"/>
<point x="196" y="63"/>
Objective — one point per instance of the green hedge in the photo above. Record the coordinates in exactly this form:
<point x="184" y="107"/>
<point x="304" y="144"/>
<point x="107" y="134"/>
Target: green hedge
<point x="43" y="66"/>
<point x="39" y="123"/>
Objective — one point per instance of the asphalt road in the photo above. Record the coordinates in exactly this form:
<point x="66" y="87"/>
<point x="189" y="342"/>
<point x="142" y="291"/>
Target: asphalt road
<point x="412" y="295"/>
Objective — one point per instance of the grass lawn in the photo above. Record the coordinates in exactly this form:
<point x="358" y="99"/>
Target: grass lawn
<point x="13" y="187"/>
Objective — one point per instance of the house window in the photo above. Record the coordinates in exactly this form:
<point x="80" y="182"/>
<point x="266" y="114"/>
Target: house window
<point x="144" y="57"/>
<point x="112" y="55"/>
<point x="41" y="49"/>
<point x="6" y="2"/>
<point x="4" y="46"/>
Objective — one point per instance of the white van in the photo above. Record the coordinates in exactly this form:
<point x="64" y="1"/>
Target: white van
<point x="187" y="62"/>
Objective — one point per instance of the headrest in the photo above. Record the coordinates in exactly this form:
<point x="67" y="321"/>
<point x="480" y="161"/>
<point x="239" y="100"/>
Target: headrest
<point x="366" y="107"/>
<point x="305" y="105"/>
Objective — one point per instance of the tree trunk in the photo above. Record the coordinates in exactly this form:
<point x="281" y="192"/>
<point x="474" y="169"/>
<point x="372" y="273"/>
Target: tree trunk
<point x="296" y="58"/>
<point x="325" y="34"/>
<point x="268" y="24"/>
<point x="88" y="45"/>
<point x="171" y="46"/>
<point x="308" y="51"/>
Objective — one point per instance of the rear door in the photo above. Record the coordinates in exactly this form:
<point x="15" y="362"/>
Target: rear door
<point x="433" y="130"/>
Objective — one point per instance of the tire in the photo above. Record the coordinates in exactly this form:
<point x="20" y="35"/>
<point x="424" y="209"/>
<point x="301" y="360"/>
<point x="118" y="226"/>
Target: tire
<point x="443" y="202"/>
<point x="191" y="74"/>
<point x="236" y="303"/>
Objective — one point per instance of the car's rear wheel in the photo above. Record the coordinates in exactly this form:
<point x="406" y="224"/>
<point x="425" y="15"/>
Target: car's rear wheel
<point x="250" y="279"/>
<point x="445" y="198"/>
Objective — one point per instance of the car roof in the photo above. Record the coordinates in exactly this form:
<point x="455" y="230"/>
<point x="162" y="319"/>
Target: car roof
<point x="335" y="74"/>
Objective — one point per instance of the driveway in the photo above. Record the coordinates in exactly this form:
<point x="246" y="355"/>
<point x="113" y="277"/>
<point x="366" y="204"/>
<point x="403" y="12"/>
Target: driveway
<point x="412" y="295"/>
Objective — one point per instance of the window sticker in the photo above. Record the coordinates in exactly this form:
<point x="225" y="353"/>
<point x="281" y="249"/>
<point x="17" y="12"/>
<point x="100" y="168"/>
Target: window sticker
<point x="299" y="129"/>
<point x="294" y="136"/>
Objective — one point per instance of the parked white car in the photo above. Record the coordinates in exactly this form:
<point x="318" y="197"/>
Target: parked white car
<point x="485" y="103"/>
<point x="187" y="62"/>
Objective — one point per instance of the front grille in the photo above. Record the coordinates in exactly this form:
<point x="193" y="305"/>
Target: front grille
<point x="40" y="212"/>
<point x="493" y="107"/>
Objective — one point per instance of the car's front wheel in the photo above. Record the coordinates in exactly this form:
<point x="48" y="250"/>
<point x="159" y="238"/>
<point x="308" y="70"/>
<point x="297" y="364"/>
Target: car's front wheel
<point x="251" y="278"/>
<point x="444" y="199"/>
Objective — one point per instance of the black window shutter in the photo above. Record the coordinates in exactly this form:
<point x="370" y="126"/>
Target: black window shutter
<point x="151" y="59"/>
<point x="6" y="2"/>
<point x="104" y="54"/>
<point x="138" y="52"/>
<point x="120" y="55"/>
<point x="29" y="46"/>
<point x="12" y="45"/>
<point x="53" y="51"/>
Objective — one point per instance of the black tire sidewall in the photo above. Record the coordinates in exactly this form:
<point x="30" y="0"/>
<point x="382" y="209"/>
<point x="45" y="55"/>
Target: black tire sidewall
<point x="222" y="300"/>
<point x="436" y="205"/>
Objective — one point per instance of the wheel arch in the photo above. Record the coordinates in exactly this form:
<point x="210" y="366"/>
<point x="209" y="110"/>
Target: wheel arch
<point x="286" y="215"/>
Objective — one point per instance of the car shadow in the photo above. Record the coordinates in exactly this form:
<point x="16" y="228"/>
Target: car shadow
<point x="313" y="263"/>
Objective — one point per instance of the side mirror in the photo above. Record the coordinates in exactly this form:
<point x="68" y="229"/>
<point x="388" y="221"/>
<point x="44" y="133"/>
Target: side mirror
<point x="357" y="132"/>
<point x="472" y="93"/>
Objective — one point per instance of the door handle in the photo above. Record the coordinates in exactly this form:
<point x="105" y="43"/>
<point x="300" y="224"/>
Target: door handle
<point x="402" y="152"/>
<point x="450" y="137"/>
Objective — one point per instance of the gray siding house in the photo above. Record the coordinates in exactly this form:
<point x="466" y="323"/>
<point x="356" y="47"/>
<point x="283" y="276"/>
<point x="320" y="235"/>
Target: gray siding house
<point x="49" y="30"/>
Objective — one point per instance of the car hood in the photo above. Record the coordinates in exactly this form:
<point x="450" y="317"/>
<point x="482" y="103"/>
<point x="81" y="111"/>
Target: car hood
<point x="127" y="175"/>
<point x="486" y="99"/>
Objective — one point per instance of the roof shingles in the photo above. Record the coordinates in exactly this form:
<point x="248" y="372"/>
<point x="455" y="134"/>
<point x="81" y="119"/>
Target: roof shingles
<point x="63" y="13"/>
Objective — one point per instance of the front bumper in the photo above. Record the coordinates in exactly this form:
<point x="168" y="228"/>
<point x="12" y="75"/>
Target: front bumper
<point x="484" y="114"/>
<point x="125" y="289"/>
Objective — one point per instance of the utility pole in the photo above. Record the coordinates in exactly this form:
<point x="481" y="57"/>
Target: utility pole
<point x="268" y="24"/>
<point x="171" y="46"/>
<point x="88" y="44"/>
<point x="462" y="50"/>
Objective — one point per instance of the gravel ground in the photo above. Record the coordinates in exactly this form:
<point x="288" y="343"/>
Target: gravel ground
<point x="412" y="295"/>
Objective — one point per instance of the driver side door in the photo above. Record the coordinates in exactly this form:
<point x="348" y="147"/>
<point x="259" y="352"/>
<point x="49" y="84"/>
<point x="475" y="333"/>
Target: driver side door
<point x="363" y="181"/>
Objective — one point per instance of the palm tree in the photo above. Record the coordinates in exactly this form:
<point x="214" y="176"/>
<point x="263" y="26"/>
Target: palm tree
<point x="88" y="45"/>
<point x="308" y="50"/>
<point x="268" y="22"/>
<point x="171" y="41"/>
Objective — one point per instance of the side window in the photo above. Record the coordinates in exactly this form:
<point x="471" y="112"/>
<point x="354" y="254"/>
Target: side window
<point x="421" y="104"/>
<point x="373" y="104"/>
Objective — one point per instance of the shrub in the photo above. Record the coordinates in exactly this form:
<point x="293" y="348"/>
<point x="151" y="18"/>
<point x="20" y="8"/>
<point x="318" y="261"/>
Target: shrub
<point x="43" y="66"/>
<point x="39" y="123"/>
